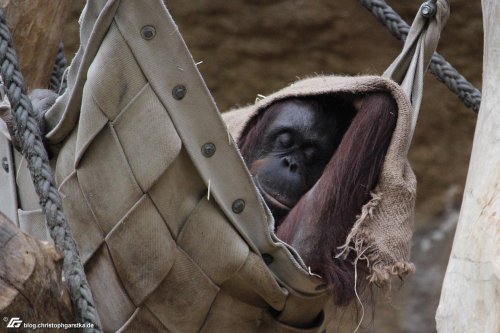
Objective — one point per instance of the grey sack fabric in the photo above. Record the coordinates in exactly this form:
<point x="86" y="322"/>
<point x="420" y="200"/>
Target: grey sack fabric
<point x="383" y="231"/>
<point x="159" y="255"/>
<point x="171" y="238"/>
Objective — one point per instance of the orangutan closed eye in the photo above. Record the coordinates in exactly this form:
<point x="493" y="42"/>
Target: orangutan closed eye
<point x="293" y="149"/>
<point x="315" y="161"/>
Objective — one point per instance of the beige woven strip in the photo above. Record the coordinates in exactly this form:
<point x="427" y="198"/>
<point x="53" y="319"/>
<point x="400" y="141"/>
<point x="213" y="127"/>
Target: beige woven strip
<point x="409" y="67"/>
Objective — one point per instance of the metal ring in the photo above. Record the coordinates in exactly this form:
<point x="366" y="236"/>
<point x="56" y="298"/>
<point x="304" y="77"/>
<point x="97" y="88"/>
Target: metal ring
<point x="179" y="91"/>
<point x="208" y="149"/>
<point x="5" y="164"/>
<point x="429" y="9"/>
<point x="148" y="32"/>
<point x="238" y="206"/>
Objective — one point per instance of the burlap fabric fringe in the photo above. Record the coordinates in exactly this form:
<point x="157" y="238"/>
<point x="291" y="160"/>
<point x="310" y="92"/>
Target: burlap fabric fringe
<point x="382" y="233"/>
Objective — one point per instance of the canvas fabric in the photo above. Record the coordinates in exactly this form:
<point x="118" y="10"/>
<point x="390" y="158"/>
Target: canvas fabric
<point x="409" y="67"/>
<point x="163" y="250"/>
<point x="382" y="233"/>
<point x="8" y="196"/>
<point x="18" y="199"/>
<point x="162" y="247"/>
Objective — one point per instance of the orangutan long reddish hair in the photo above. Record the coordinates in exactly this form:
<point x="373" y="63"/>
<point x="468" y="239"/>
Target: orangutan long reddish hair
<point x="318" y="222"/>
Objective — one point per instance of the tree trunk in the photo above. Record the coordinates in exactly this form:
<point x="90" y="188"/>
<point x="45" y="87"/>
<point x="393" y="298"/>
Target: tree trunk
<point x="470" y="300"/>
<point x="37" y="27"/>
<point x="31" y="285"/>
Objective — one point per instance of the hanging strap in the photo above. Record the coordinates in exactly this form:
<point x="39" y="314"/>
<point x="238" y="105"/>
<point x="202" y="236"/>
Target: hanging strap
<point x="409" y="67"/>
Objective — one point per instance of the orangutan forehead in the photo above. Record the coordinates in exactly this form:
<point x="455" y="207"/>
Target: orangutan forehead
<point x="301" y="115"/>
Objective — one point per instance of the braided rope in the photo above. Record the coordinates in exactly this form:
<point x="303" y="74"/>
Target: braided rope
<point x="442" y="69"/>
<point x="57" y="83"/>
<point x="29" y="137"/>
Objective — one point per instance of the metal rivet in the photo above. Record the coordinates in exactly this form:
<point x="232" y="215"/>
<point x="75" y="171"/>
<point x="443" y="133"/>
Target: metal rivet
<point x="5" y="164"/>
<point x="179" y="92"/>
<point x="238" y="206"/>
<point x="429" y="9"/>
<point x="148" y="32"/>
<point x="268" y="259"/>
<point x="208" y="149"/>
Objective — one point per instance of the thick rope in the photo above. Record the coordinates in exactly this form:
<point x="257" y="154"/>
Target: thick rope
<point x="442" y="69"/>
<point x="29" y="137"/>
<point x="57" y="82"/>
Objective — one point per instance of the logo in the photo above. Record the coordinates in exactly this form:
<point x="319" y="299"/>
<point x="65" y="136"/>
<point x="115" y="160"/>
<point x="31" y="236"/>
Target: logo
<point x="14" y="322"/>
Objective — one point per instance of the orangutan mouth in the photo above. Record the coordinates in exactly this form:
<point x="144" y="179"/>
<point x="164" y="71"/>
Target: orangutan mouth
<point x="270" y="198"/>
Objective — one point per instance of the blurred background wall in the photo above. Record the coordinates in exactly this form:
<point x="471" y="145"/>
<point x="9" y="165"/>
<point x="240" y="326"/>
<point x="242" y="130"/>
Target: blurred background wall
<point x="250" y="47"/>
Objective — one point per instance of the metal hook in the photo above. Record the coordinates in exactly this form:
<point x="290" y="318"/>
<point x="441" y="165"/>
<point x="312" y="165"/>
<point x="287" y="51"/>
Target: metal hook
<point x="429" y="9"/>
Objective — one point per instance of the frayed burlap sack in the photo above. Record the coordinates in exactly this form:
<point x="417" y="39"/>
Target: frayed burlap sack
<point x="382" y="232"/>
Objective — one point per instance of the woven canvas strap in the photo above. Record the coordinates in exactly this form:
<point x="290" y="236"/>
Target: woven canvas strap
<point x="409" y="67"/>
